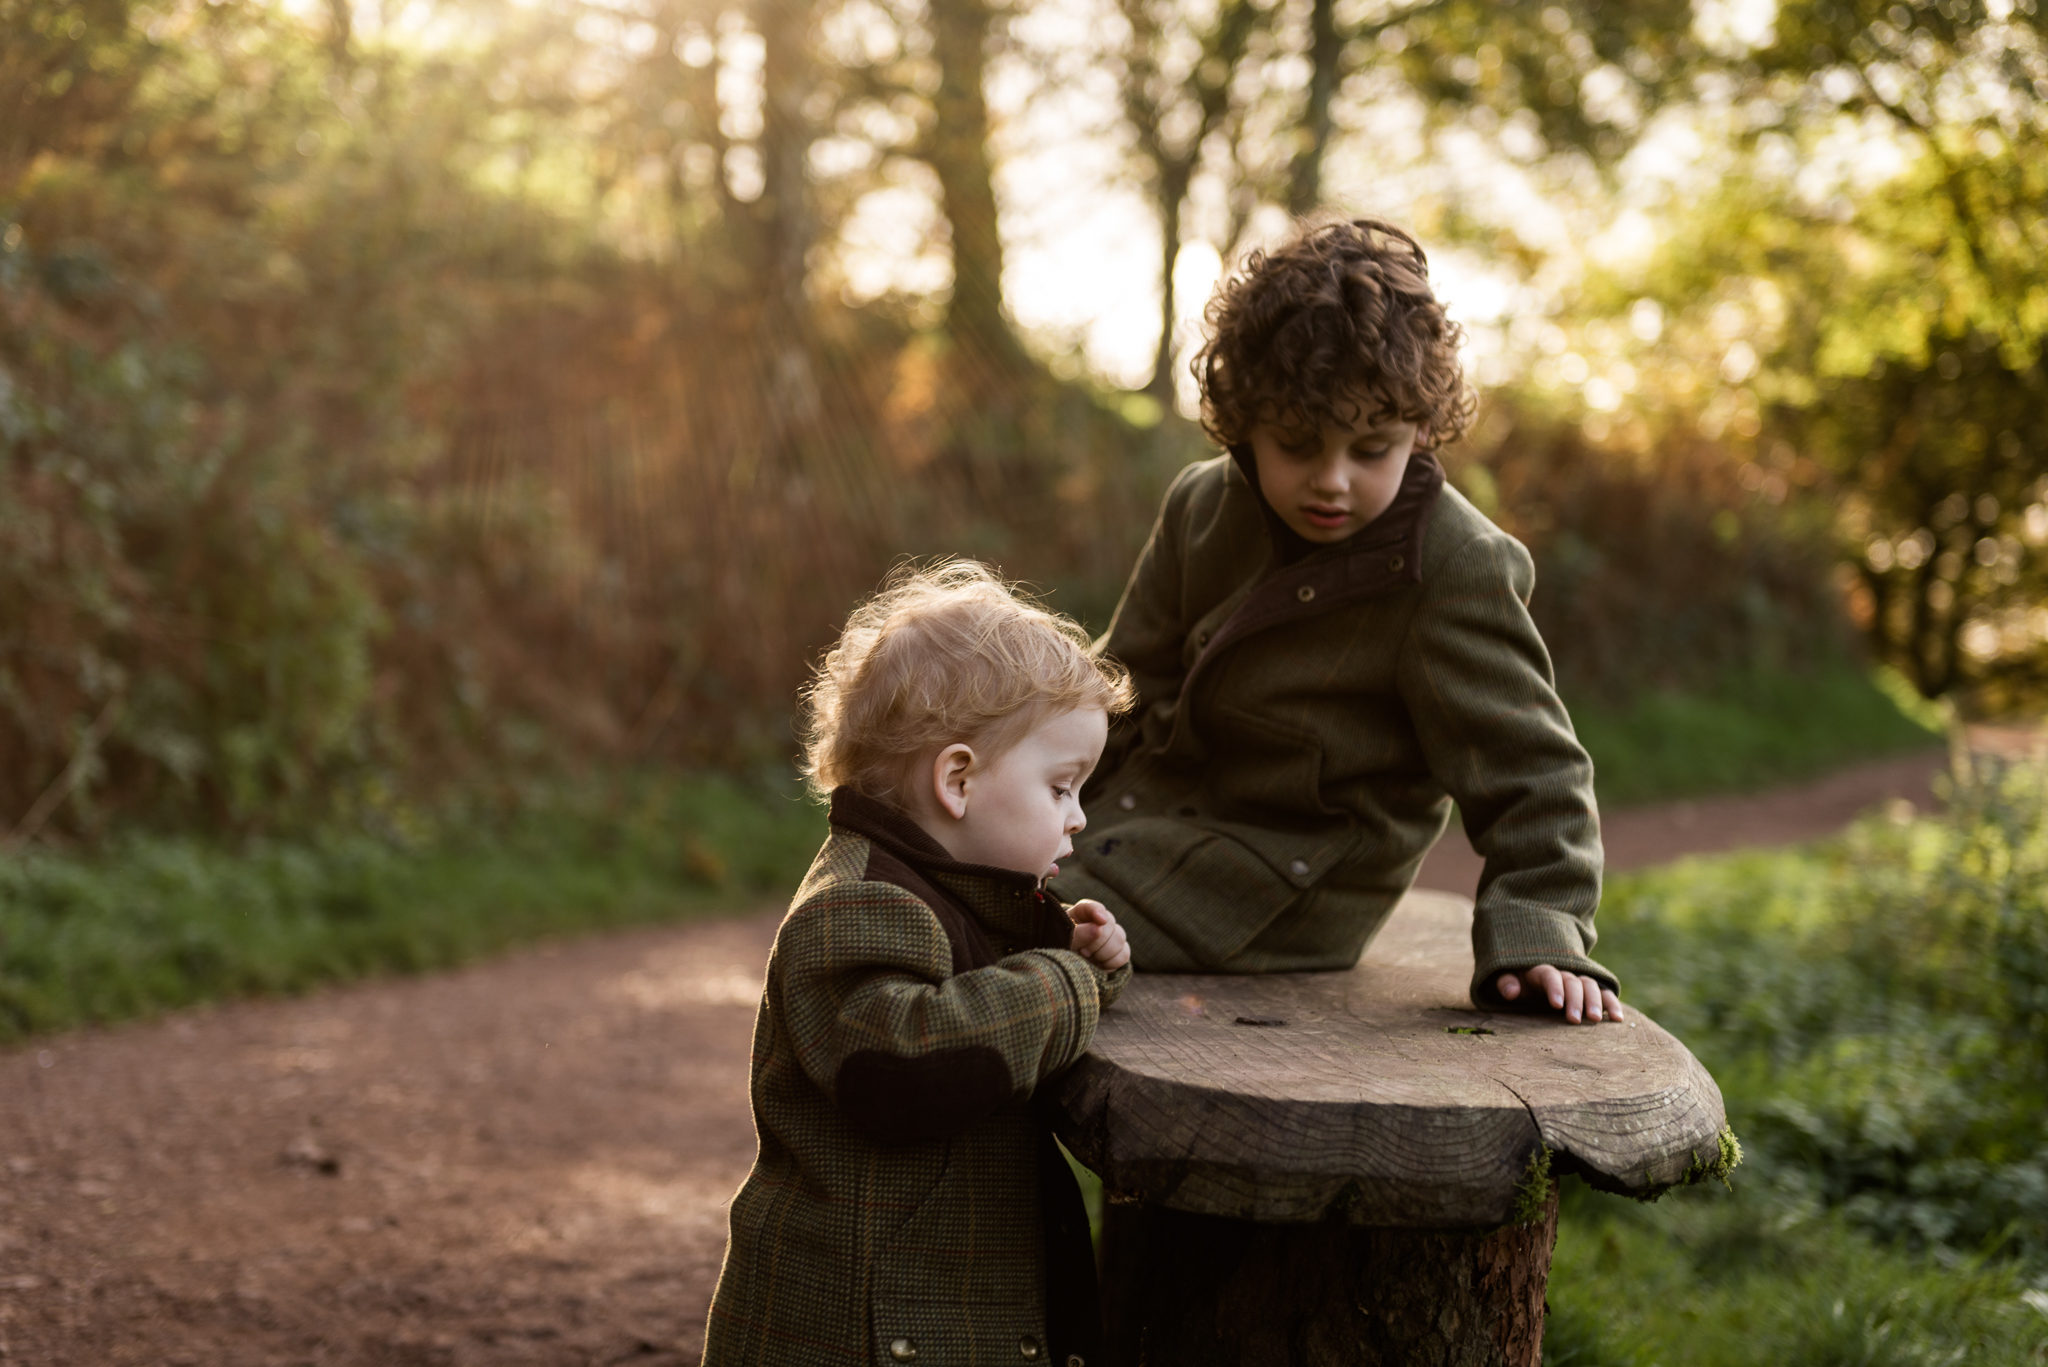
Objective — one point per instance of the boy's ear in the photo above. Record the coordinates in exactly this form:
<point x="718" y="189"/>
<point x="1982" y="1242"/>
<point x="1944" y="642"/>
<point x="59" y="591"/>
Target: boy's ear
<point x="949" y="779"/>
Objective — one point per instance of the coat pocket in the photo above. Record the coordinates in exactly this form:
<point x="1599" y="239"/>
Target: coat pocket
<point x="961" y="1278"/>
<point x="1212" y="888"/>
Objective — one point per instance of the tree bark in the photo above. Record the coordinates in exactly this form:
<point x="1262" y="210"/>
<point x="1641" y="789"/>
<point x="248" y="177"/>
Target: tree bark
<point x="959" y="157"/>
<point x="1173" y="189"/>
<point x="1326" y="55"/>
<point x="784" y="210"/>
<point x="1183" y="1290"/>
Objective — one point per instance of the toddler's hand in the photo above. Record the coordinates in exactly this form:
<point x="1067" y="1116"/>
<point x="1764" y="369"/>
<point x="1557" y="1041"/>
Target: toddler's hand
<point x="1097" y="936"/>
<point x="1582" y="999"/>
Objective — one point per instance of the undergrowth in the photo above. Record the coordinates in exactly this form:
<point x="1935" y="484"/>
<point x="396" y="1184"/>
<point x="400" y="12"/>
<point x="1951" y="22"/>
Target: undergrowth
<point x="1764" y="728"/>
<point x="1875" y="1010"/>
<point x="149" y="923"/>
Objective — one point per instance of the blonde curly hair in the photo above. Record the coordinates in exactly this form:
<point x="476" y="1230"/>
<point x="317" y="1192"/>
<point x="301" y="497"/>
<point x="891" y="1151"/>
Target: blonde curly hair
<point x="944" y="653"/>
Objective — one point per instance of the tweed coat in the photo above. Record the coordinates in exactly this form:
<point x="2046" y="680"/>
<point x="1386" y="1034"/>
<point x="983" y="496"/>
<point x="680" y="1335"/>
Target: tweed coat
<point x="896" y="1209"/>
<point x="1305" y="716"/>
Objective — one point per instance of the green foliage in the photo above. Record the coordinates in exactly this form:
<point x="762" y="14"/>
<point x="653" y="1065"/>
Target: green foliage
<point x="1755" y="730"/>
<point x="1875" y="1010"/>
<point x="1714" y="1280"/>
<point x="1878" y="334"/>
<point x="156" y="922"/>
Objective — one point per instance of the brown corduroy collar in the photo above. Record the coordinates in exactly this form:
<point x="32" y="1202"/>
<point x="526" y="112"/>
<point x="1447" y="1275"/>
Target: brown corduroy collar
<point x="892" y="829"/>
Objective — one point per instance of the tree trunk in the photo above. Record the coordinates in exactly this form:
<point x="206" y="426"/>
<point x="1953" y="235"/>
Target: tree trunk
<point x="340" y="30"/>
<point x="1325" y="54"/>
<point x="787" y="228"/>
<point x="959" y="157"/>
<point x="1183" y="1290"/>
<point x="1173" y="189"/>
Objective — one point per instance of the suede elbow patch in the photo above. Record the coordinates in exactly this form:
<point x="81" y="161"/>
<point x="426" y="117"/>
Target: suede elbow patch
<point x="930" y="1096"/>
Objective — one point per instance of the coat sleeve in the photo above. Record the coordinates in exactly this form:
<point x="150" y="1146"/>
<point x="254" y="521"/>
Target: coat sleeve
<point x="904" y="1047"/>
<point x="1149" y="632"/>
<point x="1478" y="684"/>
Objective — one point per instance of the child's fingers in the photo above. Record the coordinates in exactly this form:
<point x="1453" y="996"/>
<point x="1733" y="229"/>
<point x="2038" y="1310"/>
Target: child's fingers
<point x="1578" y="996"/>
<point x="1088" y="911"/>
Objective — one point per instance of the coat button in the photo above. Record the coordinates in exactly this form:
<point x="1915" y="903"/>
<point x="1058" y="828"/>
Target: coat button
<point x="1306" y="593"/>
<point x="1074" y="1360"/>
<point x="1201" y="640"/>
<point x="903" y="1350"/>
<point x="1027" y="1348"/>
<point x="1127" y="801"/>
<point x="1299" y="868"/>
<point x="1396" y="563"/>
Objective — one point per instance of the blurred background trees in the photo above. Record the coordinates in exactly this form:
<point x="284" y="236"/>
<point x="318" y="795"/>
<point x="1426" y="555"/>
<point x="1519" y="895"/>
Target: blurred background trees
<point x="407" y="399"/>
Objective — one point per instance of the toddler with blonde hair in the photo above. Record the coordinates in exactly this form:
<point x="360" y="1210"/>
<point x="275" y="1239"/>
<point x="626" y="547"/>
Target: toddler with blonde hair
<point x="907" y="1203"/>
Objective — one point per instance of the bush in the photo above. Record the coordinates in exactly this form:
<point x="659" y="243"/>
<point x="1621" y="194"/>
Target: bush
<point x="1875" y="1010"/>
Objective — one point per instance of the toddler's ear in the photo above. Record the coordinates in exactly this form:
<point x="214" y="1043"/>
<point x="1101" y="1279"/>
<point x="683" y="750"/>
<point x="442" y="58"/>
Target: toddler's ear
<point x="949" y="779"/>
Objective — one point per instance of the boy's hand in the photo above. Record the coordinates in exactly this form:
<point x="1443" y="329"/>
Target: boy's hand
<point x="1582" y="999"/>
<point x="1097" y="936"/>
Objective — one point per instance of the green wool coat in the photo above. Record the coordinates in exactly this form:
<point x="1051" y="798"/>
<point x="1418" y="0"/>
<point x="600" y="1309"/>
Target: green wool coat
<point x="1305" y="717"/>
<point x="907" y="1204"/>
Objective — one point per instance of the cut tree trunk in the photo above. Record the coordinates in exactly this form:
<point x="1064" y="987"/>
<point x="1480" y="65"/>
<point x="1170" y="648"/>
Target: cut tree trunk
<point x="1353" y="1168"/>
<point x="1183" y="1290"/>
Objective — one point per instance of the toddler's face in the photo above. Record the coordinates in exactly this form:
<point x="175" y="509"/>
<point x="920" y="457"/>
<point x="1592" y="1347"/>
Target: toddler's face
<point x="1024" y="808"/>
<point x="1326" y="485"/>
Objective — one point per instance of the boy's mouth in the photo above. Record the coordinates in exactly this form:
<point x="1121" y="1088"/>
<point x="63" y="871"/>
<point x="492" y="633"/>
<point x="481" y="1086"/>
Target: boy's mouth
<point x="1326" y="517"/>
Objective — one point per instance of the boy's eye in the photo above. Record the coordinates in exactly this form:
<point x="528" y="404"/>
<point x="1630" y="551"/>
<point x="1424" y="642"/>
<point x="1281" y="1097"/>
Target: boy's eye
<point x="1370" y="452"/>
<point x="1060" y="791"/>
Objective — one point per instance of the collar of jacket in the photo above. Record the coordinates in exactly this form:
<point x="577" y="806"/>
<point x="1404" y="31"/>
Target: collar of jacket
<point x="1007" y="902"/>
<point x="1384" y="554"/>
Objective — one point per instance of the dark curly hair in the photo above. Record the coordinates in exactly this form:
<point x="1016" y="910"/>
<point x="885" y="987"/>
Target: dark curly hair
<point x="1341" y="310"/>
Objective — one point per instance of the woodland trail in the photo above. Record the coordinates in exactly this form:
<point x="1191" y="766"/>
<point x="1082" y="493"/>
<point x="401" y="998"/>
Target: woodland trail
<point x="525" y="1161"/>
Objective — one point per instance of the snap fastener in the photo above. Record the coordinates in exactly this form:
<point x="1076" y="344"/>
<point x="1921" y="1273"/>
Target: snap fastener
<point x="1027" y="1348"/>
<point x="1074" y="1360"/>
<point x="1201" y="640"/>
<point x="1396" y="563"/>
<point x="1299" y="868"/>
<point x="1127" y="801"/>
<point x="1306" y="593"/>
<point x="903" y="1350"/>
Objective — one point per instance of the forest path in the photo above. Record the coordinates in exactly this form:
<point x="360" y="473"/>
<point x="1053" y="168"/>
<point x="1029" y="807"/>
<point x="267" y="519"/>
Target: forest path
<point x="525" y="1161"/>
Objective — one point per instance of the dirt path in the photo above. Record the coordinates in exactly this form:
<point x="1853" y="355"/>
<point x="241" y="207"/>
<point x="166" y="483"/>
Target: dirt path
<point x="523" y="1162"/>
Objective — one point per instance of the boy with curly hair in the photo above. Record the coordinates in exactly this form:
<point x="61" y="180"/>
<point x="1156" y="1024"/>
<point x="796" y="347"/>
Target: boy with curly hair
<point x="1330" y="645"/>
<point x="906" y="1204"/>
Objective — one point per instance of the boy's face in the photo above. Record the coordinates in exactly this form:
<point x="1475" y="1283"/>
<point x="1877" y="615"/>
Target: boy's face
<point x="1021" y="810"/>
<point x="1326" y="485"/>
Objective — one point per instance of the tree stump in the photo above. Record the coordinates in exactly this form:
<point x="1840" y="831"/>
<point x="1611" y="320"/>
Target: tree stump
<point x="1341" y="1169"/>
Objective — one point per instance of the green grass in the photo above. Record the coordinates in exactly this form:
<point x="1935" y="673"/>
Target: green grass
<point x="1704" y="1280"/>
<point x="150" y="923"/>
<point x="1759" y="731"/>
<point x="1875" y="1010"/>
